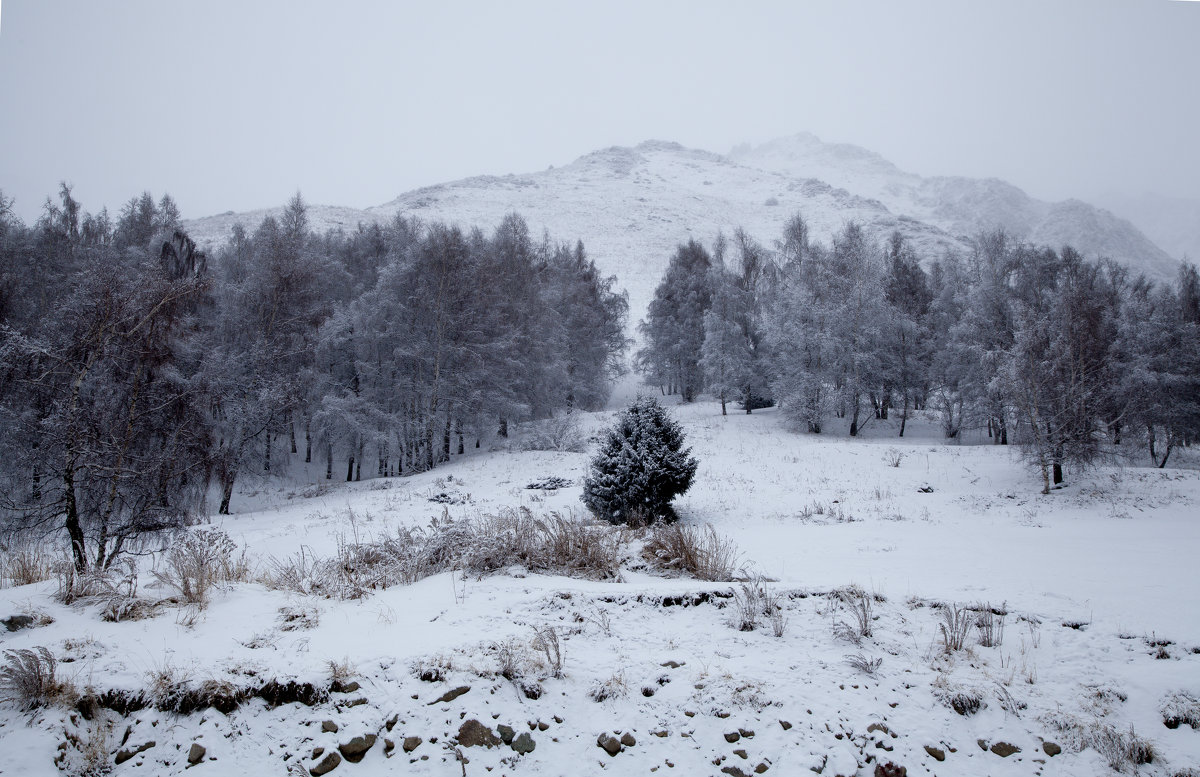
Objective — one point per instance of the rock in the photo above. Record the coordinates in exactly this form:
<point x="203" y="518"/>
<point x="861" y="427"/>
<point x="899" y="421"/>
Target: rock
<point x="196" y="753"/>
<point x="524" y="744"/>
<point x="354" y="750"/>
<point x="786" y="725"/>
<point x="391" y="722"/>
<point x="660" y="734"/>
<point x="628" y="740"/>
<point x="354" y="702"/>
<point x="125" y="755"/>
<point x="890" y="769"/>
<point x="18" y="622"/>
<point x="733" y="771"/>
<point x="1004" y="749"/>
<point x="877" y="727"/>
<point x="451" y="695"/>
<point x="543" y="726"/>
<point x="610" y="744"/>
<point x="1051" y="749"/>
<point x="350" y="687"/>
<point x="388" y="746"/>
<point x="761" y="768"/>
<point x="748" y="734"/>
<point x="329" y="727"/>
<point x="741" y="754"/>
<point x="475" y="734"/>
<point x="506" y="733"/>
<point x="317" y="752"/>
<point x="671" y="664"/>
<point x="326" y="765"/>
<point x="732" y="736"/>
<point x="937" y="753"/>
<point x="410" y="743"/>
<point x="557" y="719"/>
<point x="983" y="744"/>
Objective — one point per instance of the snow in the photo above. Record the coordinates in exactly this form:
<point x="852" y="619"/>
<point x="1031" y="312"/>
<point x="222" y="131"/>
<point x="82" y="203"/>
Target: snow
<point x="631" y="207"/>
<point x="1090" y="575"/>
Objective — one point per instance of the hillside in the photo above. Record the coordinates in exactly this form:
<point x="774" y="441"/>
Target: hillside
<point x="632" y="206"/>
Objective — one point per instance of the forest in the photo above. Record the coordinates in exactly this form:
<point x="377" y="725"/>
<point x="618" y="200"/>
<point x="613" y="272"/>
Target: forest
<point x="1070" y="358"/>
<point x="136" y="372"/>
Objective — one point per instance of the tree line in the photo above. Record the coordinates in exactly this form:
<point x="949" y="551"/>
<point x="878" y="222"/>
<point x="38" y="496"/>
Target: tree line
<point x="1034" y="345"/>
<point x="138" y="374"/>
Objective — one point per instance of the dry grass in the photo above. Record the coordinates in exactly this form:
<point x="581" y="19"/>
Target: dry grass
<point x="862" y="614"/>
<point x="198" y="561"/>
<point x="24" y="561"/>
<point x="28" y="679"/>
<point x="702" y="553"/>
<point x="1180" y="708"/>
<point x="955" y="626"/>
<point x="1122" y="750"/>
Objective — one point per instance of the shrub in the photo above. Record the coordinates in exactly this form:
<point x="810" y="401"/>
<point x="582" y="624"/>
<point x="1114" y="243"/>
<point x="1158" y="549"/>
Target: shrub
<point x="641" y="465"/>
<point x="955" y="626"/>
<point x="23" y="561"/>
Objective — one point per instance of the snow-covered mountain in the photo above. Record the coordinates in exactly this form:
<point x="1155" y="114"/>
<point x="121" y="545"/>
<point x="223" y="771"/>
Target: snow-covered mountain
<point x="1171" y="222"/>
<point x="633" y="206"/>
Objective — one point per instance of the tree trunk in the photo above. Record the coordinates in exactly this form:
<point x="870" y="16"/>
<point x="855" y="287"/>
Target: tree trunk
<point x="74" y="529"/>
<point x="1058" y="473"/>
<point x="226" y="493"/>
<point x="854" y="418"/>
<point x="307" y="443"/>
<point x="350" y="468"/>
<point x="267" y="457"/>
<point x="329" y="461"/>
<point x="723" y="405"/>
<point x="904" y="416"/>
<point x="503" y="430"/>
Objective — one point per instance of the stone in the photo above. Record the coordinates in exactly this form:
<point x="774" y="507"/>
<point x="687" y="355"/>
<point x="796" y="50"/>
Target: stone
<point x="543" y="726"/>
<point x="388" y="745"/>
<point x="125" y="755"/>
<point x="317" y="752"/>
<point x="732" y="736"/>
<point x="747" y="733"/>
<point x="890" y="769"/>
<point x="354" y="750"/>
<point x="610" y="744"/>
<point x="937" y="753"/>
<point x="196" y="753"/>
<point x="628" y="740"/>
<point x="761" y="768"/>
<point x="983" y="744"/>
<point x="786" y="725"/>
<point x="451" y="695"/>
<point x="671" y="664"/>
<point x="506" y="733"/>
<point x="1004" y="749"/>
<point x="410" y="743"/>
<point x="474" y="734"/>
<point x="326" y="764"/>
<point x="329" y="727"/>
<point x="17" y="622"/>
<point x="524" y="743"/>
<point x="741" y="754"/>
<point x="661" y="734"/>
<point x="877" y="727"/>
<point x="733" y="771"/>
<point x="1051" y="749"/>
<point x="391" y="722"/>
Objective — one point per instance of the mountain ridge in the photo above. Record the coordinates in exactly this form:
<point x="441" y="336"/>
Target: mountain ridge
<point x="632" y="205"/>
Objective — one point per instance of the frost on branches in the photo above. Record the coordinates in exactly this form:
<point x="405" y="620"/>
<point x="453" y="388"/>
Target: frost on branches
<point x="641" y="466"/>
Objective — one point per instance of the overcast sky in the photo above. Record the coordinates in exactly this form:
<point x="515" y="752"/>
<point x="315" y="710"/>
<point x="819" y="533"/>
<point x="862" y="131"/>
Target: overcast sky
<point x="236" y="105"/>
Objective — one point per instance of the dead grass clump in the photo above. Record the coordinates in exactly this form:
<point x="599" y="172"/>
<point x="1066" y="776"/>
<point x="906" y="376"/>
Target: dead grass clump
<point x="615" y="687"/>
<point x="1180" y="708"/>
<point x="200" y="560"/>
<point x="955" y="626"/>
<point x="702" y="553"/>
<point x="868" y="666"/>
<point x="989" y="621"/>
<point x="965" y="701"/>
<point x="24" y="561"/>
<point x="1121" y="749"/>
<point x="859" y="604"/>
<point x="28" y="679"/>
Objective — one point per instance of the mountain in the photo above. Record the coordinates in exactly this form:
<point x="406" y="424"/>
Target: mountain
<point x="1171" y="222"/>
<point x="964" y="207"/>
<point x="633" y="206"/>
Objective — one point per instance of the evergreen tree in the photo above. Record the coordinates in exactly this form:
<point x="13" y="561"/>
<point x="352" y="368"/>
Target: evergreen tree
<point x="640" y="467"/>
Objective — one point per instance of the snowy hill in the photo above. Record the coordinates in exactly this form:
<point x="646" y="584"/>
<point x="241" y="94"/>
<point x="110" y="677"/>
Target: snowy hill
<point x="632" y="206"/>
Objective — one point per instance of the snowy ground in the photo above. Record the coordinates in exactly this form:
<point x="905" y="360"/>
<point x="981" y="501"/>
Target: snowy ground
<point x="1089" y="576"/>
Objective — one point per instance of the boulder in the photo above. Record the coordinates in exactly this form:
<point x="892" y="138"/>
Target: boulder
<point x="524" y="744"/>
<point x="196" y="753"/>
<point x="354" y="750"/>
<point x="325" y="765"/>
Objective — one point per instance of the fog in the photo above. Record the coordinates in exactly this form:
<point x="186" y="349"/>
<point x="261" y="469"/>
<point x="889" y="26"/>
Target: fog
<point x="232" y="106"/>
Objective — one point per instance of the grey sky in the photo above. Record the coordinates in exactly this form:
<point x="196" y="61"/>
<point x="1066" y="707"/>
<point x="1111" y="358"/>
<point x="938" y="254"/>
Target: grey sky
<point x="235" y="105"/>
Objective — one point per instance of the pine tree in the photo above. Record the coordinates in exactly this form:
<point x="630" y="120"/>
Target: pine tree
<point x="641" y="466"/>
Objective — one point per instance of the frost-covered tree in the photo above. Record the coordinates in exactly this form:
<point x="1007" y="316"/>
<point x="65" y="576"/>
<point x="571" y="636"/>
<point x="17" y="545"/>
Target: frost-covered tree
<point x="727" y="356"/>
<point x="674" y="326"/>
<point x="641" y="466"/>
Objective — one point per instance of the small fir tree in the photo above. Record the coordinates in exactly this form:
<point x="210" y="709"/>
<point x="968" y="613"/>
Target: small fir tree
<point x="641" y="466"/>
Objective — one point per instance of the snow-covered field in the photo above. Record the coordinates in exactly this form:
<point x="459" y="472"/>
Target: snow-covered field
<point x="1096" y="581"/>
